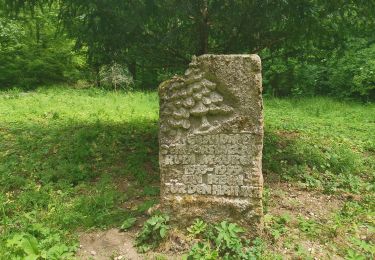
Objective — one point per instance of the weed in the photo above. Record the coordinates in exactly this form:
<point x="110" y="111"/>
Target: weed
<point x="202" y="250"/>
<point x="223" y="241"/>
<point x="198" y="227"/>
<point x="38" y="243"/>
<point x="228" y="240"/>
<point x="276" y="225"/>
<point x="128" y="223"/>
<point x="354" y="255"/>
<point x="302" y="253"/>
<point x="153" y="232"/>
<point x="266" y="199"/>
<point x="365" y="249"/>
<point x="308" y="226"/>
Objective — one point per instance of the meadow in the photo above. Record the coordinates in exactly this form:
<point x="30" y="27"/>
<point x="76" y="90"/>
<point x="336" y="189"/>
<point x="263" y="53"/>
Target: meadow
<point x="77" y="160"/>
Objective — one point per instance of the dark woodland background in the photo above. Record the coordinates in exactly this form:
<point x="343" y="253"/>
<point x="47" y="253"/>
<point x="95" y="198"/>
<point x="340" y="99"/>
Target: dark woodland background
<point x="308" y="47"/>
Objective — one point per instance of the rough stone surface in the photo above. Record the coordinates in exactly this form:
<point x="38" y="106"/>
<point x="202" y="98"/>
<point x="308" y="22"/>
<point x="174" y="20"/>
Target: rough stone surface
<point x="211" y="140"/>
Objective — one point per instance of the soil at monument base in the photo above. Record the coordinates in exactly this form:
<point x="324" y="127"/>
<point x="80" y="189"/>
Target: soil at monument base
<point x="286" y="199"/>
<point x="113" y="244"/>
<point x="107" y="244"/>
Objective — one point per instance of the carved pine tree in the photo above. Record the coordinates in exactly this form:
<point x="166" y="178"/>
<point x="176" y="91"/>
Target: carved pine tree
<point x="195" y="96"/>
<point x="207" y="101"/>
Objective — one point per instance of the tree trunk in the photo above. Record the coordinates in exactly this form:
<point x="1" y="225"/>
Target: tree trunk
<point x="37" y="30"/>
<point x="205" y="124"/>
<point x="203" y="29"/>
<point x="132" y="66"/>
<point x="97" y="75"/>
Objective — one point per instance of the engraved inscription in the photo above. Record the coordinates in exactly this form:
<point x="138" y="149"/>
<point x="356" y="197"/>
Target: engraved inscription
<point x="207" y="168"/>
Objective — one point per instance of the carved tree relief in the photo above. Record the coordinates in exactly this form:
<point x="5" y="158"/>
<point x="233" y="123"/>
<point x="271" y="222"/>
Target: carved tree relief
<point x="193" y="96"/>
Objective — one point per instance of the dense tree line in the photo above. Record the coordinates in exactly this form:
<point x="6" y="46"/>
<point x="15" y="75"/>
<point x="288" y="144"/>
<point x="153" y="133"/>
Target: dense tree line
<point x="308" y="47"/>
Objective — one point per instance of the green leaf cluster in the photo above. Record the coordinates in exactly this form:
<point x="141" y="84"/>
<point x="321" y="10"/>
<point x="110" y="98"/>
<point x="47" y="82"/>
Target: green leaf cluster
<point x="153" y="232"/>
<point x="39" y="242"/>
<point x="223" y="241"/>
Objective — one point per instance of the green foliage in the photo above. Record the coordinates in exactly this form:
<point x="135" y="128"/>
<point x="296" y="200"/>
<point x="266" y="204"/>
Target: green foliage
<point x="37" y="242"/>
<point x="361" y="250"/>
<point x="353" y="255"/>
<point x="83" y="159"/>
<point x="197" y="228"/>
<point x="72" y="158"/>
<point x="202" y="251"/>
<point x="228" y="239"/>
<point x="314" y="144"/>
<point x="266" y="199"/>
<point x="276" y="225"/>
<point x="308" y="226"/>
<point x="33" y="52"/>
<point x="152" y="40"/>
<point x="224" y="241"/>
<point x="353" y="73"/>
<point x="128" y="223"/>
<point x="154" y="230"/>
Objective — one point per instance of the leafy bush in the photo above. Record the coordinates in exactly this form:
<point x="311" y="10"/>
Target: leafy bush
<point x="276" y="225"/>
<point x="309" y="71"/>
<point x="115" y="76"/>
<point x="37" y="242"/>
<point x="28" y="60"/>
<point x="353" y="74"/>
<point x="228" y="240"/>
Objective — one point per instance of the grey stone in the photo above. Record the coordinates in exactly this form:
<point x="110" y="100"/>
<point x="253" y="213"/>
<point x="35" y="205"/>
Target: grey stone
<point x="211" y="140"/>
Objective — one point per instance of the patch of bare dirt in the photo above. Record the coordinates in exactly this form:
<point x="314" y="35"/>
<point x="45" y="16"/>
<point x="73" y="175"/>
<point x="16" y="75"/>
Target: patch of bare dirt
<point x="288" y="134"/>
<point x="287" y="198"/>
<point x="295" y="201"/>
<point x="108" y="244"/>
<point x="113" y="244"/>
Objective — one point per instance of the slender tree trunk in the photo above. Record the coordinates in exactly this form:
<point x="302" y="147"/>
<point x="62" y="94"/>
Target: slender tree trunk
<point x="37" y="30"/>
<point x="205" y="124"/>
<point x="203" y="29"/>
<point x="97" y="76"/>
<point x="132" y="66"/>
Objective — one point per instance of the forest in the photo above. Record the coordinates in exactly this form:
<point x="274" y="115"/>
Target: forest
<point x="308" y="47"/>
<point x="81" y="119"/>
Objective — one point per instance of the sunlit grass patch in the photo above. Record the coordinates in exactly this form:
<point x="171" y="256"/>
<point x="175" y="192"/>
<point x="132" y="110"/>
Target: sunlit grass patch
<point x="81" y="159"/>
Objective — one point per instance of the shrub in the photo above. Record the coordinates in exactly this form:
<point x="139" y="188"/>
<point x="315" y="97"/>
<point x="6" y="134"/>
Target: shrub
<point x="115" y="77"/>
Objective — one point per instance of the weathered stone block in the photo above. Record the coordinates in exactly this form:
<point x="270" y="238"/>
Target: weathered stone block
<point x="211" y="140"/>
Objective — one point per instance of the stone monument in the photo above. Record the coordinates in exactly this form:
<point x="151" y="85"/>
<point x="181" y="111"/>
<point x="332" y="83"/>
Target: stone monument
<point x="211" y="140"/>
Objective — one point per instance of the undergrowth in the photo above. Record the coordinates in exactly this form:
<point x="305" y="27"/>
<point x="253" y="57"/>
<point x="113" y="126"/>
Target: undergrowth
<point x="72" y="160"/>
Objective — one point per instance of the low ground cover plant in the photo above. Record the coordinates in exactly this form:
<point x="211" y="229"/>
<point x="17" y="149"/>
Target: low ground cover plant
<point x="76" y="160"/>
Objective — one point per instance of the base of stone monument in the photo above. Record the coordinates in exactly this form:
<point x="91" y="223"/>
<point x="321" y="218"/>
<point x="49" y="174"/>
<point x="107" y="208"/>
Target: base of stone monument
<point x="185" y="209"/>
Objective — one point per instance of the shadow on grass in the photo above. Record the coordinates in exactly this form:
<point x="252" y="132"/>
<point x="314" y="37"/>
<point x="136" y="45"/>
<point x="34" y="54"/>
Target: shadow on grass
<point x="84" y="172"/>
<point x="93" y="175"/>
<point x="77" y="153"/>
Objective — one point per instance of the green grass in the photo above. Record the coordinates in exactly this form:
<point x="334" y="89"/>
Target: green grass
<point x="323" y="143"/>
<point x="73" y="160"/>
